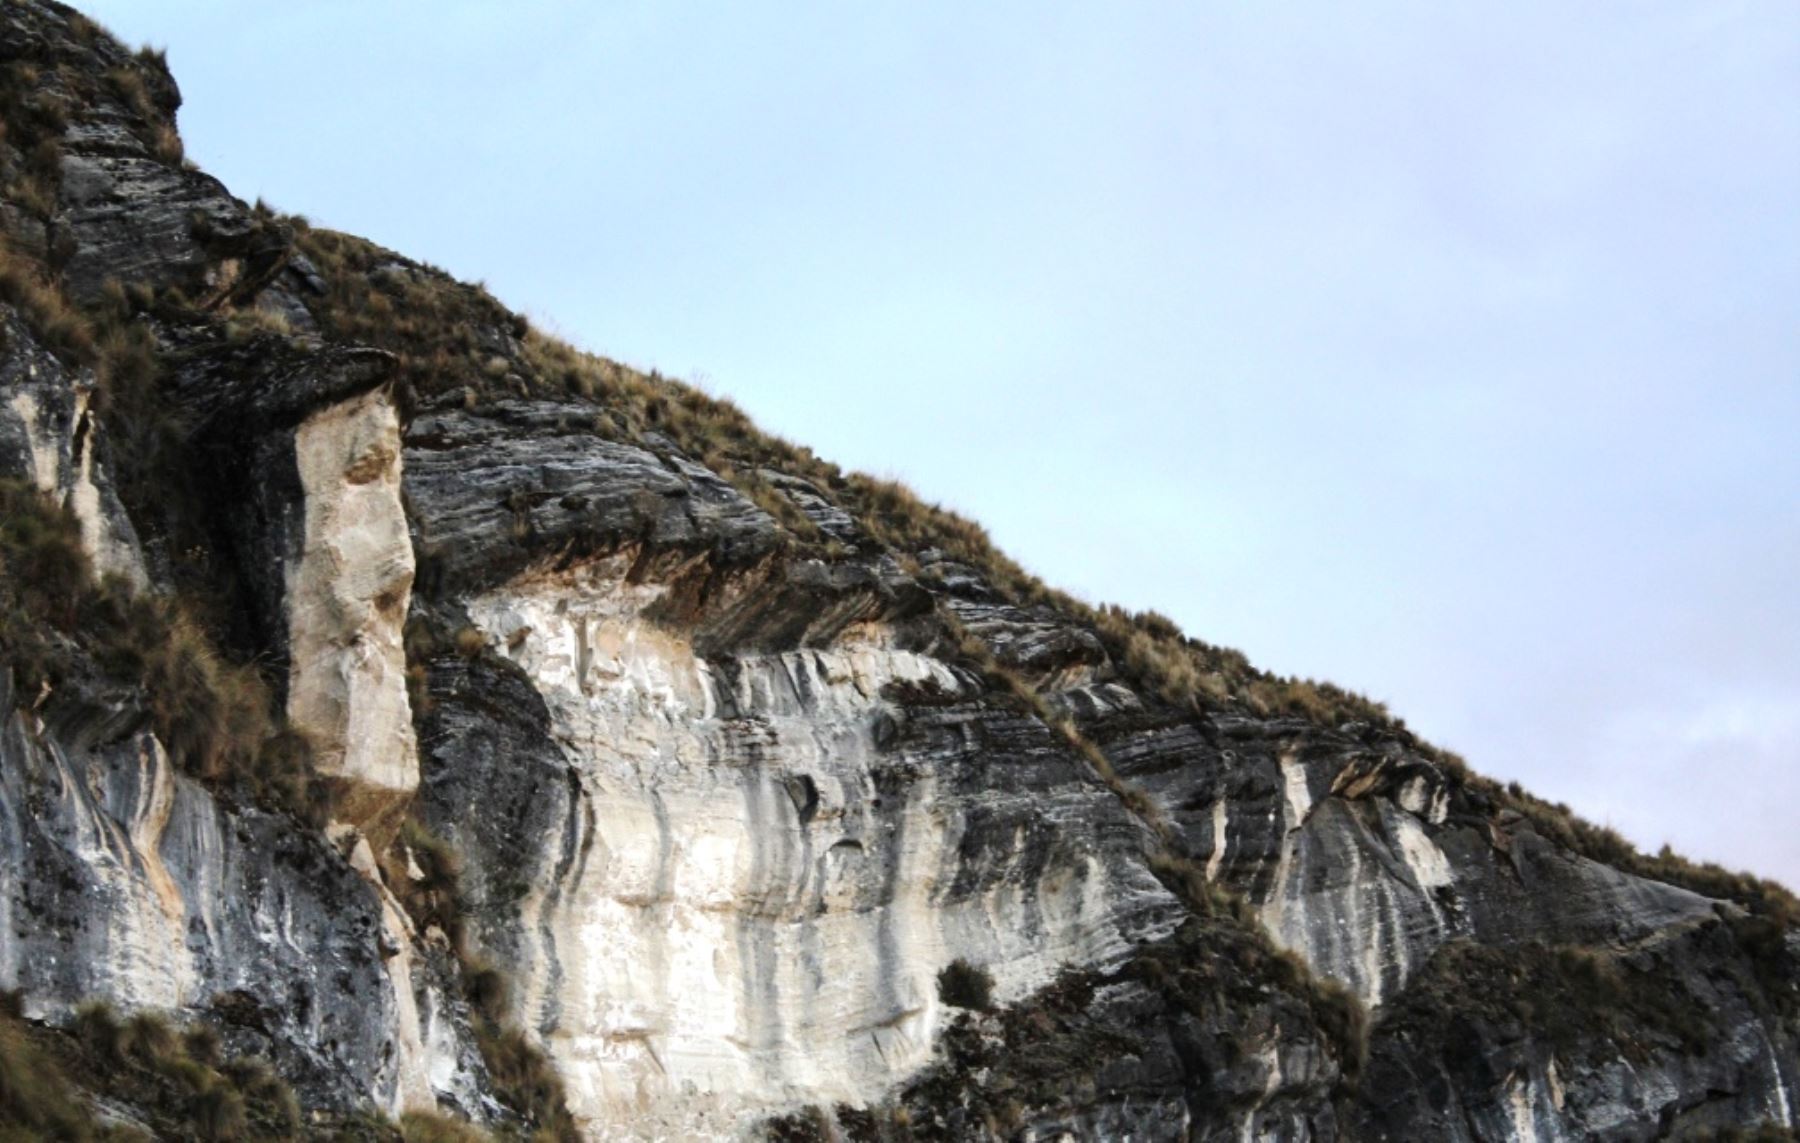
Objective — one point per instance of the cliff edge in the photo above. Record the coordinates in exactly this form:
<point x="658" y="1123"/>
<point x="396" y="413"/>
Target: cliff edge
<point x="411" y="726"/>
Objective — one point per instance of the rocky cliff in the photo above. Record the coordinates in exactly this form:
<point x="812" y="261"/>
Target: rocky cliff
<point x="412" y="726"/>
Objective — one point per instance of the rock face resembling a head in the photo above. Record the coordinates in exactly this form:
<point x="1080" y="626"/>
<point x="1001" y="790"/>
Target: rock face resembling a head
<point x="347" y="600"/>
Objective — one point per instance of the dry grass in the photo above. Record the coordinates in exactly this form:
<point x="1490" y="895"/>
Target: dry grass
<point x="427" y="1127"/>
<point x="128" y="84"/>
<point x="84" y="29"/>
<point x="522" y="1075"/>
<point x="214" y="717"/>
<point x="37" y="1100"/>
<point x="434" y="898"/>
<point x="172" y="1075"/>
<point x="449" y="336"/>
<point x="165" y="144"/>
<point x="250" y="322"/>
<point x="35" y="193"/>
<point x="1584" y="1002"/>
<point x="62" y="328"/>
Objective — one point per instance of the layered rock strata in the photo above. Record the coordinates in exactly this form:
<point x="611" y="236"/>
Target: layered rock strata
<point x="730" y="776"/>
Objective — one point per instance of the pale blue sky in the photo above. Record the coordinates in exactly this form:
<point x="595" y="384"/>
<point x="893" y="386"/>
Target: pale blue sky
<point x="1448" y="352"/>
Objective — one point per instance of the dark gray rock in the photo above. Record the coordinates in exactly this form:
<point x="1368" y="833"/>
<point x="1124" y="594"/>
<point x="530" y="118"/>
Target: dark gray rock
<point x="724" y="806"/>
<point x="521" y="482"/>
<point x="122" y="880"/>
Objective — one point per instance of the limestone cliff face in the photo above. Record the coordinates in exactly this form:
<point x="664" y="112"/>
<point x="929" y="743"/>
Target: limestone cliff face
<point x="346" y="604"/>
<point x="747" y="778"/>
<point x="765" y="861"/>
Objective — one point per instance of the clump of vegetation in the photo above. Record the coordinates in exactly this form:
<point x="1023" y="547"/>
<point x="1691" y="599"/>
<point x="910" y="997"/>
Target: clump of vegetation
<point x="1581" y="1000"/>
<point x="426" y="1127"/>
<point x="214" y="717"/>
<point x="470" y="642"/>
<point x="522" y="1075"/>
<point x="147" y="443"/>
<point x="128" y="84"/>
<point x="172" y="1078"/>
<point x="1042" y="1061"/>
<point x="36" y="1097"/>
<point x="424" y="872"/>
<point x="63" y="329"/>
<point x="1336" y="1010"/>
<point x="446" y="335"/>
<point x="526" y="1082"/>
<point x="33" y="118"/>
<point x="964" y="985"/>
<point x="1204" y="897"/>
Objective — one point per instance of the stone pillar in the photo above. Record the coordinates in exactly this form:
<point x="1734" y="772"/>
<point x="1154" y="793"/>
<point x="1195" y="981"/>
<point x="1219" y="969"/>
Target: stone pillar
<point x="347" y="596"/>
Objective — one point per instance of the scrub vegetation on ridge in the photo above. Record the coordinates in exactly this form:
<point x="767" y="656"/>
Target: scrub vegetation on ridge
<point x="456" y="342"/>
<point x="211" y="696"/>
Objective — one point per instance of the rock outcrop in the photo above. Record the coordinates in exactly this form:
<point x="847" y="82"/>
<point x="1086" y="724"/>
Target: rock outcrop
<point x="465" y="725"/>
<point x="47" y="437"/>
<point x="346" y="600"/>
<point x="126" y="881"/>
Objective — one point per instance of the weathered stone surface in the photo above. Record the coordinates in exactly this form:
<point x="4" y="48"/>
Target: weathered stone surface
<point x="1568" y="1044"/>
<point x="833" y="522"/>
<point x="1185" y="1041"/>
<point x="519" y="482"/>
<point x="761" y="862"/>
<point x="1363" y="857"/>
<point x="125" y="210"/>
<point x="346" y="604"/>
<point x="48" y="437"/>
<point x="230" y="392"/>
<point x="121" y="880"/>
<point x="725" y="800"/>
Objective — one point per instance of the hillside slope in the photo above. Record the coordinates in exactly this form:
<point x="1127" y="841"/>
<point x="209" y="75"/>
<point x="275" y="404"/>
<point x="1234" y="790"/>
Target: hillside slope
<point x="461" y="725"/>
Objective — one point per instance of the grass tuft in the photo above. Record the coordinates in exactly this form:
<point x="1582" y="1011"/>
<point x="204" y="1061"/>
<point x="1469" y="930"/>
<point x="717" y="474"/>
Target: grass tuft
<point x="214" y="717"/>
<point x="964" y="985"/>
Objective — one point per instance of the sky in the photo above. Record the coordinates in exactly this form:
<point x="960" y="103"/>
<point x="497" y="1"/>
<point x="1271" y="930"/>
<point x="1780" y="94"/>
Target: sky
<point x="1448" y="352"/>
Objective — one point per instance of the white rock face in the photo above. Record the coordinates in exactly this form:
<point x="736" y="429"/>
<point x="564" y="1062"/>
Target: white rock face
<point x="762" y="906"/>
<point x="1358" y="904"/>
<point x="63" y="464"/>
<point x="347" y="600"/>
<point x="1364" y="889"/>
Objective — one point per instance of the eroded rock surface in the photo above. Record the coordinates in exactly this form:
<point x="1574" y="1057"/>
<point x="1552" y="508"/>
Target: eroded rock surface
<point x="722" y="769"/>
<point x="762" y="862"/>
<point x="123" y="880"/>
<point x="48" y="438"/>
<point x="347" y="601"/>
